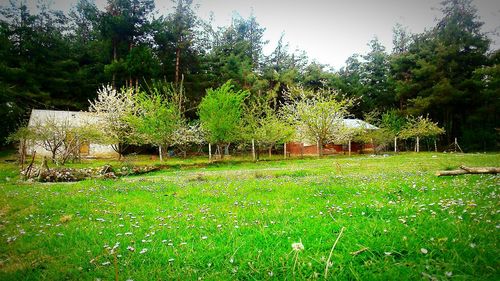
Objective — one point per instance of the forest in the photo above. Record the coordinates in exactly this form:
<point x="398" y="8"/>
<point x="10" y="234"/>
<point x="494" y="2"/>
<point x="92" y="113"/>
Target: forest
<point x="50" y="59"/>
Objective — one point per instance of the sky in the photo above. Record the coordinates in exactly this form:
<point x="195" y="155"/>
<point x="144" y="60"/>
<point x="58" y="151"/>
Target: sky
<point x="330" y="30"/>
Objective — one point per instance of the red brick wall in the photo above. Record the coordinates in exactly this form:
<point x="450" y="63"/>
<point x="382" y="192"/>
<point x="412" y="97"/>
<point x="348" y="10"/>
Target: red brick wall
<point x="295" y="148"/>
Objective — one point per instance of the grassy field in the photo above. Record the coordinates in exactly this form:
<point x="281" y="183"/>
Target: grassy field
<point x="238" y="220"/>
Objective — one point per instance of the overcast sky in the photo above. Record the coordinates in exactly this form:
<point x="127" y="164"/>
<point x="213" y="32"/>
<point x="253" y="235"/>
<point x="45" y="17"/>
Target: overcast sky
<point x="330" y="30"/>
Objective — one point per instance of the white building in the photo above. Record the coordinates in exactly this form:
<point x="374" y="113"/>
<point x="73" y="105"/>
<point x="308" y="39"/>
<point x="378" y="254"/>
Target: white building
<point x="72" y="119"/>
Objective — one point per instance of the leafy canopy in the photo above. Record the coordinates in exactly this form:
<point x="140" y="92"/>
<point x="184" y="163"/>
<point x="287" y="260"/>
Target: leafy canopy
<point x="220" y="113"/>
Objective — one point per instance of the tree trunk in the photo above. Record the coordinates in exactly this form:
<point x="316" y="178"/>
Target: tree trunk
<point x="177" y="63"/>
<point x="469" y="170"/>
<point x="120" y="151"/>
<point x="302" y="150"/>
<point x="181" y="90"/>
<point x="395" y="144"/>
<point x="320" y="147"/>
<point x="284" y="150"/>
<point x="22" y="153"/>
<point x="418" y="145"/>
<point x="114" y="60"/>
<point x="349" y="148"/>
<point x="160" y="153"/>
<point x="53" y="157"/>
<point x="253" y="150"/>
<point x="270" y="151"/>
<point x="210" y="152"/>
<point x="219" y="151"/>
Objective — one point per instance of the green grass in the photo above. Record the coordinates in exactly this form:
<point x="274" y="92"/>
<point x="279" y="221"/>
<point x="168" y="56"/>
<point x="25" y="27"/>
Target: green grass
<point x="237" y="221"/>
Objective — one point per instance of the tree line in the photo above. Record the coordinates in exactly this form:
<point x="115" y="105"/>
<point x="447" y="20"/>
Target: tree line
<point x="55" y="60"/>
<point x="227" y="116"/>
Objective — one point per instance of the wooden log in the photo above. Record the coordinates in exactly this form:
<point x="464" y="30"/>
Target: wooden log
<point x="469" y="170"/>
<point x="481" y="170"/>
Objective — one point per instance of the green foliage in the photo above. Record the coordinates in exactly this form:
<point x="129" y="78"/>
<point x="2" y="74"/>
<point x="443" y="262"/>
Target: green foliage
<point x="392" y="121"/>
<point x="420" y="127"/>
<point x="22" y="133"/>
<point x="220" y="113"/>
<point x="263" y="124"/>
<point x="154" y="119"/>
<point x="436" y="75"/>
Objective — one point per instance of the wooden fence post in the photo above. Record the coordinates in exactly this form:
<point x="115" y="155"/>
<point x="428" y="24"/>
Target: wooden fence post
<point x="284" y="150"/>
<point x="210" y="152"/>
<point x="253" y="150"/>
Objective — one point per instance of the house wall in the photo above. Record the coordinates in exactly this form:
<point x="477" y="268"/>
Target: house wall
<point x="99" y="150"/>
<point x="95" y="150"/>
<point x="298" y="148"/>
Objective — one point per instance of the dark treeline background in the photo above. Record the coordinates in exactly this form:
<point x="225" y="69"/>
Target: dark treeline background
<point x="55" y="60"/>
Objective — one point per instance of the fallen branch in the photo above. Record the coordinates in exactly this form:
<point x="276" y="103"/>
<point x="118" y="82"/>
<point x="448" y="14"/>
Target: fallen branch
<point x="469" y="170"/>
<point x="355" y="253"/>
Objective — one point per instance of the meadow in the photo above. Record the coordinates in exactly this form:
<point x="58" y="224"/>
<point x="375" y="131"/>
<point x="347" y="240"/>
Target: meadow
<point x="390" y="218"/>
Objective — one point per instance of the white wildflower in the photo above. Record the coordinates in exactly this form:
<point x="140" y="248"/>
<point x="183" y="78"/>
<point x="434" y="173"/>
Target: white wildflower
<point x="298" y="246"/>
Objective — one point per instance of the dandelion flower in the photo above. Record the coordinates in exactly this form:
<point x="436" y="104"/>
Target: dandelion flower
<point x="298" y="246"/>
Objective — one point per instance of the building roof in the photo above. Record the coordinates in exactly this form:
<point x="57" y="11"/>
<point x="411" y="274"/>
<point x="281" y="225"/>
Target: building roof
<point x="73" y="118"/>
<point x="358" y="124"/>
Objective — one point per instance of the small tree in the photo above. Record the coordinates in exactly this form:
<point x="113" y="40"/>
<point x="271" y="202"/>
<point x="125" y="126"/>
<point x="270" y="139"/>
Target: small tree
<point x="344" y="134"/>
<point x="113" y="108"/>
<point x="220" y="114"/>
<point x="420" y="127"/>
<point x="379" y="138"/>
<point x="58" y="136"/>
<point x="22" y="135"/>
<point x="75" y="138"/>
<point x="263" y="125"/>
<point x="50" y="134"/>
<point x="155" y="120"/>
<point x="273" y="130"/>
<point x="186" y="135"/>
<point x="318" y="116"/>
<point x="393" y="124"/>
<point x="389" y="125"/>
